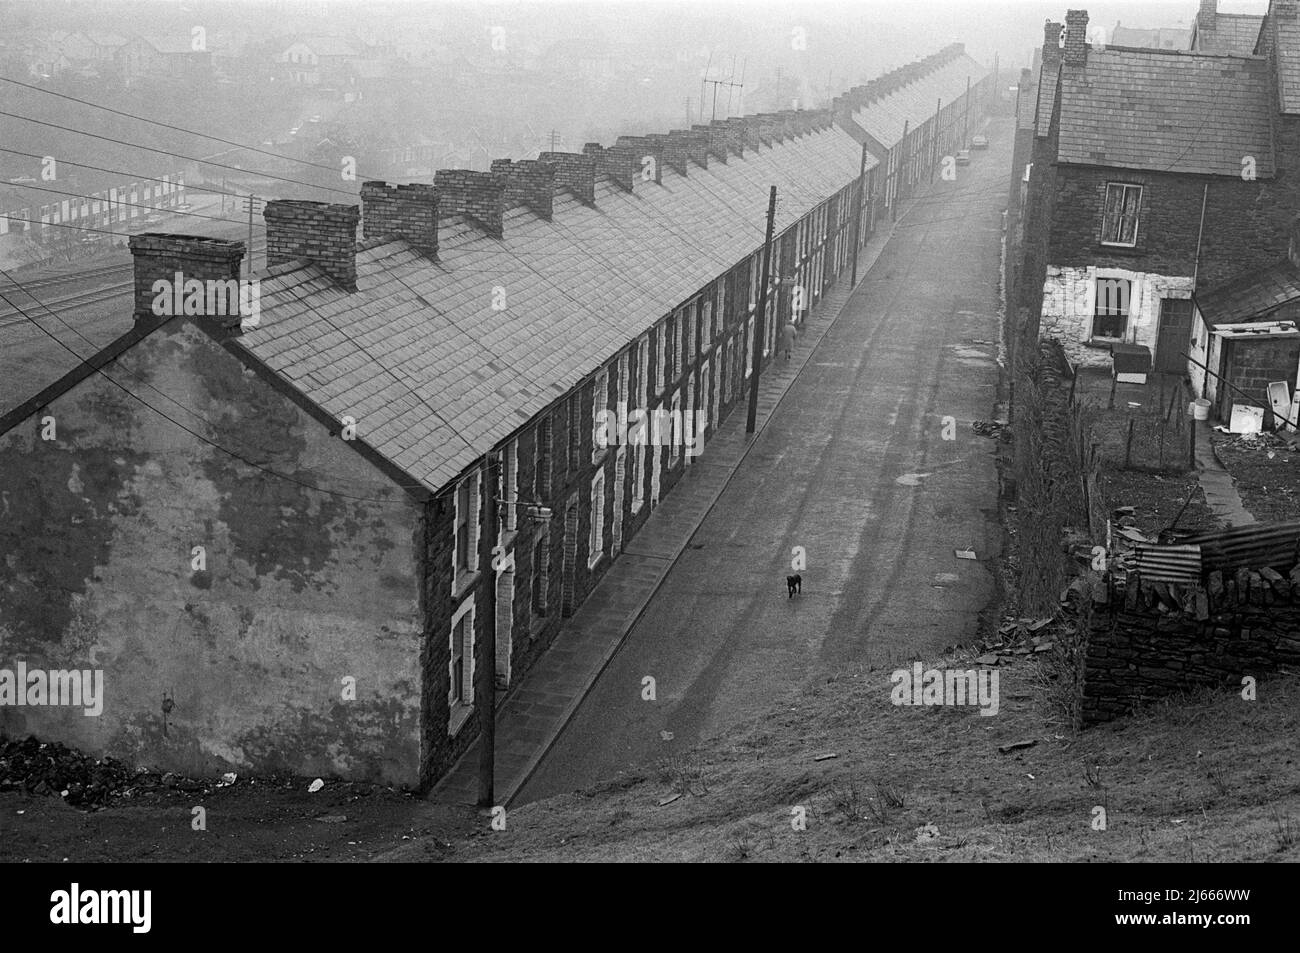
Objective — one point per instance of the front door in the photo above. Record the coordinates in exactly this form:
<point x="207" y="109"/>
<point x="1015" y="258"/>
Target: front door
<point x="1174" y="336"/>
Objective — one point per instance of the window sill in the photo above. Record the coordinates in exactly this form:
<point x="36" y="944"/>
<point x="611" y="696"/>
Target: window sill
<point x="1134" y="250"/>
<point x="593" y="563"/>
<point x="456" y="720"/>
<point x="1102" y="344"/>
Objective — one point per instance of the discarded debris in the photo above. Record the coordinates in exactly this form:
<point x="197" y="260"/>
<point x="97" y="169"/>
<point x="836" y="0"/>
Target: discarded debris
<point x="315" y="786"/>
<point x="825" y="757"/>
<point x="964" y="553"/>
<point x="332" y="818"/>
<point x="987" y="660"/>
<point x="227" y="779"/>
<point x="990" y="428"/>
<point x="926" y="833"/>
<point x="1016" y="746"/>
<point x="665" y="736"/>
<point x="669" y="799"/>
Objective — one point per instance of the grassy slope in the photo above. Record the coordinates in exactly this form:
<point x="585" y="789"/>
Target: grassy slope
<point x="1208" y="778"/>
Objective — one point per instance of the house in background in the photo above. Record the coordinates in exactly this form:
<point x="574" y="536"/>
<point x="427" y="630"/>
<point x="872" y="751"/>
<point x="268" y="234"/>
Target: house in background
<point x="1158" y="38"/>
<point x="1132" y="207"/>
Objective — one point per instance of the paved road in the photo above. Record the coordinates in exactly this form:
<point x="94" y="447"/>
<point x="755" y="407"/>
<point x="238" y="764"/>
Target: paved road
<point x="853" y="467"/>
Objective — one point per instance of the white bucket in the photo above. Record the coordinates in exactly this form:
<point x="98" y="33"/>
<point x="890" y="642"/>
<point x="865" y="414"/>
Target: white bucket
<point x="1199" y="409"/>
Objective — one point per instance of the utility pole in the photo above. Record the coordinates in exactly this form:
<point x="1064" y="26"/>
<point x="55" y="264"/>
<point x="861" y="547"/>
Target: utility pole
<point x="485" y="692"/>
<point x="965" y="123"/>
<point x="688" y="112"/>
<point x="857" y="218"/>
<point x="555" y="140"/>
<point x="778" y="87"/>
<point x="251" y="204"/>
<point x="757" y="356"/>
<point x="934" y="138"/>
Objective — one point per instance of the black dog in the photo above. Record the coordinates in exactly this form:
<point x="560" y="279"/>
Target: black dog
<point x="794" y="584"/>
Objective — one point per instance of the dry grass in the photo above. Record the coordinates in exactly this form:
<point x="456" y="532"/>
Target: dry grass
<point x="1207" y="776"/>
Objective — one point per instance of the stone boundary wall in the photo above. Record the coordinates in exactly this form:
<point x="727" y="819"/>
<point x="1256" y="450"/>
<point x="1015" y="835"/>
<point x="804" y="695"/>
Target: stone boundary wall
<point x="1153" y="639"/>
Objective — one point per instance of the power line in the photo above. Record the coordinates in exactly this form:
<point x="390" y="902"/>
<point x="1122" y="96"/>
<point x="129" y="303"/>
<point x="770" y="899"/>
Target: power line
<point x="129" y="175"/>
<point x="91" y="198"/>
<point x="166" y="125"/>
<point x="178" y="155"/>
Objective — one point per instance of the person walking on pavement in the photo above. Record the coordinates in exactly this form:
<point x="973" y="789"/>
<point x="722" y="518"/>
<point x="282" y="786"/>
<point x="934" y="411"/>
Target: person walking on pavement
<point x="788" y="334"/>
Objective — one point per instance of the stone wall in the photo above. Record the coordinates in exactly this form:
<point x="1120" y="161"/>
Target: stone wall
<point x="1154" y="639"/>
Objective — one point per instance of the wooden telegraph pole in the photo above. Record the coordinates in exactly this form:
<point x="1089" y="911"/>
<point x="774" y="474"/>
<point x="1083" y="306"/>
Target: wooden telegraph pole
<point x="486" y="690"/>
<point x="857" y="218"/>
<point x="757" y="356"/>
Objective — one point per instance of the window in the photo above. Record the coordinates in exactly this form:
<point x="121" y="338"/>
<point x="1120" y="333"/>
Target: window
<point x="575" y="433"/>
<point x="638" y="477"/>
<point x="688" y="335"/>
<point x="599" y="402"/>
<point x="1120" y="220"/>
<point x="460" y="665"/>
<point x="706" y="323"/>
<point x="620" y="392"/>
<point x="541" y="572"/>
<point x="747" y="353"/>
<point x="596" y="544"/>
<point x="670" y="350"/>
<point x="466" y="529"/>
<point x="643" y="370"/>
<point x="675" y="434"/>
<point x="660" y="336"/>
<point x="542" y="464"/>
<point x="1110" y="313"/>
<point x="720" y="311"/>
<point x="510" y="470"/>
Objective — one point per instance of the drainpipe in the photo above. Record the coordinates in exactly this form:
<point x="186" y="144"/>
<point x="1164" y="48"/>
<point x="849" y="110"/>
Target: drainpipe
<point x="1196" y="265"/>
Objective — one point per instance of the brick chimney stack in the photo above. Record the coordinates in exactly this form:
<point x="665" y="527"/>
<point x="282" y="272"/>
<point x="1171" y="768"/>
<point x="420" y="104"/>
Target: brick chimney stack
<point x="1207" y="16"/>
<point x="621" y="164"/>
<point x="1051" y="42"/>
<point x="530" y="182"/>
<point x="674" y="150"/>
<point x="479" y="196"/>
<point x="574" y="172"/>
<point x="716" y="139"/>
<point x="1076" y="38"/>
<point x="401" y="211"/>
<point x="160" y="256"/>
<point x="324" y="234"/>
<point x="644" y="146"/>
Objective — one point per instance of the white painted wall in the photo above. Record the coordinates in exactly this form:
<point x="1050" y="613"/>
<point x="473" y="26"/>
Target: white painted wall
<point x="1069" y="298"/>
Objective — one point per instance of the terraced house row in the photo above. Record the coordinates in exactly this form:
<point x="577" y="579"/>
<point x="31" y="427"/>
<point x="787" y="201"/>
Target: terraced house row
<point x="271" y="536"/>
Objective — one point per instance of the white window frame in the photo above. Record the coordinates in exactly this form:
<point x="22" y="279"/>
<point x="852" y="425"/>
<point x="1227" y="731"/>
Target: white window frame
<point x="596" y="538"/>
<point x="599" y="402"/>
<point x="661" y="337"/>
<point x="638" y="477"/>
<point x="1137" y="218"/>
<point x="461" y="704"/>
<point x="674" y="428"/>
<point x="643" y="370"/>
<point x="461" y="577"/>
<point x="510" y="468"/>
<point x="748" y="356"/>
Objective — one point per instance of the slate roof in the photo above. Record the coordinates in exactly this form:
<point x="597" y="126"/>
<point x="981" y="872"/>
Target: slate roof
<point x="1252" y="296"/>
<point x="914" y="103"/>
<point x="578" y="288"/>
<point x="1177" y="112"/>
<point x="1235" y="33"/>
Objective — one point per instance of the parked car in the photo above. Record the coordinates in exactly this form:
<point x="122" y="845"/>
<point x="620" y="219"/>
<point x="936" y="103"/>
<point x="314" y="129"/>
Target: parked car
<point x="963" y="157"/>
<point x="979" y="142"/>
